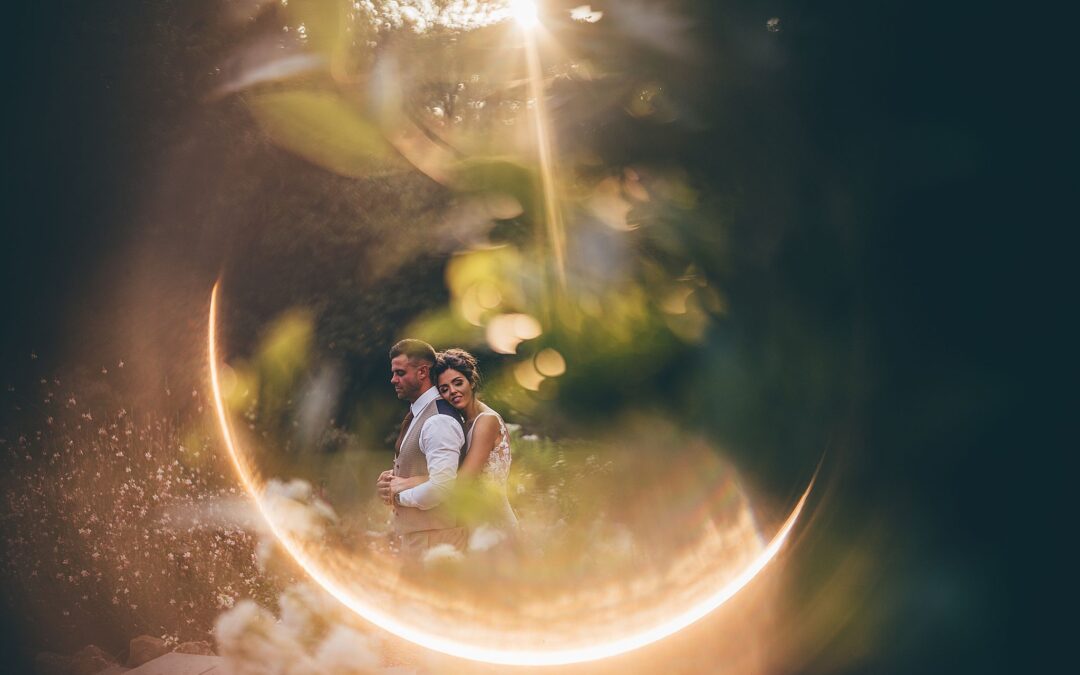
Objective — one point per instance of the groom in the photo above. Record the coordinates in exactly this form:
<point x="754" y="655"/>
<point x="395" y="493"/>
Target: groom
<point x="429" y="444"/>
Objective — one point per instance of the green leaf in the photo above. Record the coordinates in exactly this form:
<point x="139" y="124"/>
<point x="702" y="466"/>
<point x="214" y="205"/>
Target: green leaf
<point x="326" y="129"/>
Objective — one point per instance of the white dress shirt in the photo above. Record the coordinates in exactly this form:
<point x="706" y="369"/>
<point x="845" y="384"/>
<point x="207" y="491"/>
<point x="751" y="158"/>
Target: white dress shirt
<point x="441" y="441"/>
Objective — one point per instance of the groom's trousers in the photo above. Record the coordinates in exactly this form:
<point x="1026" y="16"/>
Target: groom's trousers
<point x="415" y="544"/>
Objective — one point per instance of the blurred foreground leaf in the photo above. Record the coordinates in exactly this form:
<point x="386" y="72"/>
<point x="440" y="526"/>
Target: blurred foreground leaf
<point x="501" y="176"/>
<point x="324" y="128"/>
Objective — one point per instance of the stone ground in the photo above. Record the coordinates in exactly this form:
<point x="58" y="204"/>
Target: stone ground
<point x="147" y="656"/>
<point x="173" y="664"/>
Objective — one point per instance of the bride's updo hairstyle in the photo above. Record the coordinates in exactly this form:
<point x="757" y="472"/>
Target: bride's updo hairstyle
<point x="459" y="360"/>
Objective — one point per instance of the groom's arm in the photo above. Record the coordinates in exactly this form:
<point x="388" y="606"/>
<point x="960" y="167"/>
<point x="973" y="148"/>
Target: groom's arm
<point x="441" y="439"/>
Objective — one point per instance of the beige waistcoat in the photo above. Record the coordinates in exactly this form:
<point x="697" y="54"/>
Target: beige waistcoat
<point x="410" y="462"/>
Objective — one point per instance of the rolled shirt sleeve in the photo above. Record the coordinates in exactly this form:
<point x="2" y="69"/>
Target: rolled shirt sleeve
<point x="441" y="440"/>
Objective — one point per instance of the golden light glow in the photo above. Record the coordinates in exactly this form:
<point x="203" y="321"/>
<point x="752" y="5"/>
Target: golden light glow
<point x="354" y="586"/>
<point x="525" y="13"/>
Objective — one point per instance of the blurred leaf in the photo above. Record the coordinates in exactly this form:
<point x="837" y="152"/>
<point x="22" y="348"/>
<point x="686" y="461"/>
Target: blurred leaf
<point x="283" y="358"/>
<point x="285" y="349"/>
<point x="324" y="128"/>
<point x="500" y="175"/>
<point x="444" y="327"/>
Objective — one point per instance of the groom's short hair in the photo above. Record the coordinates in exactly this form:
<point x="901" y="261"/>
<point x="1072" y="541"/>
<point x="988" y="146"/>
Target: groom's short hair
<point x="416" y="350"/>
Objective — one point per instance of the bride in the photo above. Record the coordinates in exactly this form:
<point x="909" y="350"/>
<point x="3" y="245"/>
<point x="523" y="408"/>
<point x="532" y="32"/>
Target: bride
<point x="487" y="455"/>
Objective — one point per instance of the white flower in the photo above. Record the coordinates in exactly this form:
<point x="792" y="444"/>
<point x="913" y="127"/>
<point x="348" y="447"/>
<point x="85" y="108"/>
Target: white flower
<point x="264" y="552"/>
<point x="252" y="642"/>
<point x="347" y="652"/>
<point x="305" y="609"/>
<point x="585" y="13"/>
<point x="442" y="554"/>
<point x="293" y="508"/>
<point x="485" y="537"/>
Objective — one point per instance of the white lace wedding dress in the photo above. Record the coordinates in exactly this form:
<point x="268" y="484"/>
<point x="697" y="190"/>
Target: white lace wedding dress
<point x="501" y="523"/>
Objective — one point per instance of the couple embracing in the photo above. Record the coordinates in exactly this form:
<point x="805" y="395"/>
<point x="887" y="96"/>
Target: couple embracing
<point x="447" y="436"/>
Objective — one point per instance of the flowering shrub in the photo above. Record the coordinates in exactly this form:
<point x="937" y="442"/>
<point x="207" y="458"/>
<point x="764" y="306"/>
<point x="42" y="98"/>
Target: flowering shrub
<point x="118" y="524"/>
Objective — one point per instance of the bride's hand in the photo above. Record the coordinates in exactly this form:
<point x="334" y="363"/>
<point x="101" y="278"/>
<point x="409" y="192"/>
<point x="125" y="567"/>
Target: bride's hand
<point x="382" y="486"/>
<point x="398" y="484"/>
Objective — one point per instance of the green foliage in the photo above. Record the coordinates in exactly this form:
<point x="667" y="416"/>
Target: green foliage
<point x="323" y="127"/>
<point x="503" y="175"/>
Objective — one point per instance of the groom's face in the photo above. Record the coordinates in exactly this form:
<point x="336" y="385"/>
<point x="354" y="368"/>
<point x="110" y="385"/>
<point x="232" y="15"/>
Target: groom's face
<point x="408" y="377"/>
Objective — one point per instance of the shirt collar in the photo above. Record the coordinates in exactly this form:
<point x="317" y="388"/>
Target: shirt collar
<point x="427" y="397"/>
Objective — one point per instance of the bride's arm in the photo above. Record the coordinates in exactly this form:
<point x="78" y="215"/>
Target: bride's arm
<point x="401" y="484"/>
<point x="484" y="436"/>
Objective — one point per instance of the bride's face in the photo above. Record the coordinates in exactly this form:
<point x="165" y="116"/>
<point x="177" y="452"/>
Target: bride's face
<point x="455" y="388"/>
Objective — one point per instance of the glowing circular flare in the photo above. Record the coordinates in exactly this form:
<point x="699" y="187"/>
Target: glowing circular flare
<point x="525" y="13"/>
<point x="458" y="648"/>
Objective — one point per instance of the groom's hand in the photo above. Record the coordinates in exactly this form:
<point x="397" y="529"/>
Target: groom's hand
<point x="382" y="486"/>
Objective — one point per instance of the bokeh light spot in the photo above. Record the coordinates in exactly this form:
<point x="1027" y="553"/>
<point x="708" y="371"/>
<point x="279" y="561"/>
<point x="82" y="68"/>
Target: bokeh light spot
<point x="506" y="331"/>
<point x="550" y="363"/>
<point x="528" y="376"/>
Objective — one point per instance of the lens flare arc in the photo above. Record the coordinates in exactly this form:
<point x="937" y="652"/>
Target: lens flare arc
<point x="457" y="648"/>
